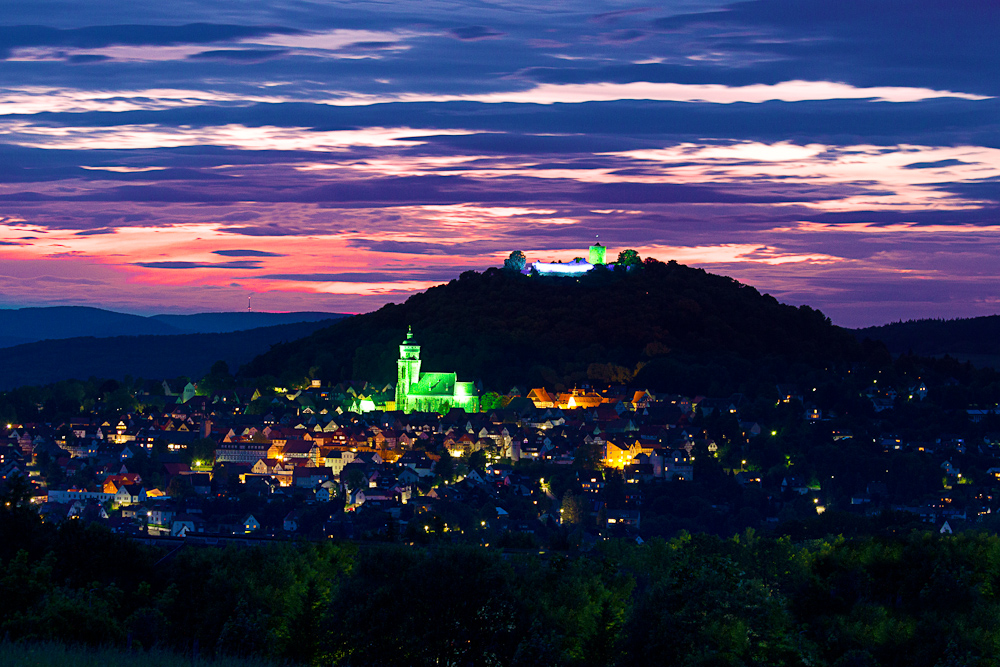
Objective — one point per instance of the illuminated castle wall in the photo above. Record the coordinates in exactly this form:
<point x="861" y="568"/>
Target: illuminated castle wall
<point x="429" y="392"/>
<point x="596" y="255"/>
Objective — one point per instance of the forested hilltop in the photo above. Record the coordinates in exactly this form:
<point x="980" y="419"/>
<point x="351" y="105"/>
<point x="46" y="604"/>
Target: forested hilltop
<point x="505" y="328"/>
<point x="975" y="339"/>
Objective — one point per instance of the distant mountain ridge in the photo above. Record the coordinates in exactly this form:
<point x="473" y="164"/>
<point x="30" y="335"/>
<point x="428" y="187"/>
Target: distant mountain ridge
<point x="148" y="356"/>
<point x="26" y="325"/>
<point x="239" y="321"/>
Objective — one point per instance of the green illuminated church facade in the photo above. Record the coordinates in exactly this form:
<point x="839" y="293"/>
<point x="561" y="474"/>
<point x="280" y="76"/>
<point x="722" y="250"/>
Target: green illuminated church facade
<point x="429" y="392"/>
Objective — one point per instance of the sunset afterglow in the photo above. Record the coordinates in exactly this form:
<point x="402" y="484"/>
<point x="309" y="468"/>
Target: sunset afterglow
<point x="338" y="159"/>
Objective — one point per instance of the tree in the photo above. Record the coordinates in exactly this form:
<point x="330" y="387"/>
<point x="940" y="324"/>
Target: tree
<point x="445" y="468"/>
<point x="491" y="400"/>
<point x="572" y="509"/>
<point x="477" y="460"/>
<point x="218" y="379"/>
<point x="515" y="262"/>
<point x="628" y="258"/>
<point x="180" y="487"/>
<point x="202" y="449"/>
<point x="356" y="479"/>
<point x="588" y="457"/>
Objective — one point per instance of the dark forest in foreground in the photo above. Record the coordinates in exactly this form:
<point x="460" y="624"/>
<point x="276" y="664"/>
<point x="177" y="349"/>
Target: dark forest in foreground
<point x="888" y="598"/>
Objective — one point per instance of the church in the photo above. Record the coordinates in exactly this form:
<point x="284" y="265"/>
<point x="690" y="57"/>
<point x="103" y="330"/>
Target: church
<point x="429" y="392"/>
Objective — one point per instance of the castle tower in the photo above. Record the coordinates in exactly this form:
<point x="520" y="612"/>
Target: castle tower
<point x="598" y="254"/>
<point x="407" y="369"/>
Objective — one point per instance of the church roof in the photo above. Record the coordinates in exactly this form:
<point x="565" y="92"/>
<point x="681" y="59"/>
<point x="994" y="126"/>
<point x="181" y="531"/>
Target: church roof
<point x="434" y="384"/>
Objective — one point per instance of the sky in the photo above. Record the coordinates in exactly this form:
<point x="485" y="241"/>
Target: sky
<point x="185" y="156"/>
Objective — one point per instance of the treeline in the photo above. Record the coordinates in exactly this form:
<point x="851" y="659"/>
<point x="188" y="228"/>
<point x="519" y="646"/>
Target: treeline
<point x="110" y="398"/>
<point x="974" y="336"/>
<point x="917" y="599"/>
<point x="506" y="328"/>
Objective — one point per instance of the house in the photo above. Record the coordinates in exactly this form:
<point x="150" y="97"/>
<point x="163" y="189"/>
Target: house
<point x="409" y="477"/>
<point x="356" y="498"/>
<point x="308" y="478"/>
<point x="291" y="522"/>
<point x="250" y="524"/>
<point x="336" y="459"/>
<point x="201" y="482"/>
<point x="950" y="469"/>
<point x="183" y="524"/>
<point x="161" y="516"/>
<point x="794" y="484"/>
<point x="626" y="518"/>
<point x="541" y="398"/>
<point x="418" y="462"/>
<point x="788" y="393"/>
<point x="129" y="494"/>
<point x="324" y="492"/>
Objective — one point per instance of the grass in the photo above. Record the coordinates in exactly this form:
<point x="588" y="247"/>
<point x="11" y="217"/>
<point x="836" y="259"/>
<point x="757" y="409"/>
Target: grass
<point x="52" y="654"/>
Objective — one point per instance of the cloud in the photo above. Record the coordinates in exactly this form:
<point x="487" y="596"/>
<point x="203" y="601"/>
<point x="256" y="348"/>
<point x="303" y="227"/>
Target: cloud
<point x="786" y="91"/>
<point x="379" y="149"/>
<point x="623" y="36"/>
<point x="236" y="136"/>
<point x="896" y="42"/>
<point x="87" y="59"/>
<point x="471" y="248"/>
<point x="247" y="253"/>
<point x="92" y="37"/>
<point x="239" y="56"/>
<point x="473" y="33"/>
<point x="173" y="264"/>
<point x="617" y="15"/>
<point x="938" y="164"/>
<point x="402" y="274"/>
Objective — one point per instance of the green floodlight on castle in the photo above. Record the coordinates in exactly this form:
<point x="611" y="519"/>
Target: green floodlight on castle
<point x="598" y="254"/>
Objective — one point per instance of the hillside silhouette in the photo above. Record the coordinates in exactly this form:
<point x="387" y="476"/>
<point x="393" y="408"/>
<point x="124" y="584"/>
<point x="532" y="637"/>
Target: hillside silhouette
<point x="28" y="325"/>
<point x="152" y="356"/>
<point x="663" y="320"/>
<point x="975" y="339"/>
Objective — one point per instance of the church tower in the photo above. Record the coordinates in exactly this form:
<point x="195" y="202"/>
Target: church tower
<point x="408" y="369"/>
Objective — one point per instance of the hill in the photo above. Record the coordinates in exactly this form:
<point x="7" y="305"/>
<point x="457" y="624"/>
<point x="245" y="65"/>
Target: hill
<point x="26" y="325"/>
<point x="665" y="321"/>
<point x="975" y="339"/>
<point x="159" y="356"/>
<point x="241" y="321"/>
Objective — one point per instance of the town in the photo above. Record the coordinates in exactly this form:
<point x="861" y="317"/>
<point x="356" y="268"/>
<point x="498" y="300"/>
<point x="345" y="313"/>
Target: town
<point x="432" y="458"/>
